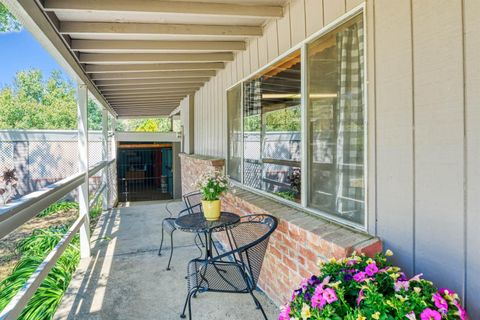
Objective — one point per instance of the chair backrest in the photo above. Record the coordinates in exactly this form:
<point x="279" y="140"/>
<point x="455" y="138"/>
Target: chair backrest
<point x="251" y="238"/>
<point x="192" y="199"/>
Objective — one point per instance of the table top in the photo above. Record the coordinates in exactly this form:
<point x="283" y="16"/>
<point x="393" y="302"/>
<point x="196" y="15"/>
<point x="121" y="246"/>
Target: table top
<point x="196" y="222"/>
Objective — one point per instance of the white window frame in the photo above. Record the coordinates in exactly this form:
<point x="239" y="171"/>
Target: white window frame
<point x="302" y="46"/>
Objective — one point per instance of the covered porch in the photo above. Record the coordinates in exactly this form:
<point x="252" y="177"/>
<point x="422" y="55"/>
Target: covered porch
<point x="126" y="279"/>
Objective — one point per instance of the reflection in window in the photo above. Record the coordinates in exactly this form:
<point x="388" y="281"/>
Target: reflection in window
<point x="336" y="122"/>
<point x="234" y="105"/>
<point x="271" y="102"/>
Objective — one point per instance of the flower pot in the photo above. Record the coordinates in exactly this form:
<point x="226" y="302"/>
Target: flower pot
<point x="211" y="209"/>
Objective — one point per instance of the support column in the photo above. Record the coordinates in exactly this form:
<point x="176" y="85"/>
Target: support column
<point x="82" y="97"/>
<point x="105" y="171"/>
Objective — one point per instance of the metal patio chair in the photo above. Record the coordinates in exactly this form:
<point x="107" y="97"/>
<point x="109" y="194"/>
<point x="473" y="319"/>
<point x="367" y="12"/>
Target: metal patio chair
<point x="193" y="204"/>
<point x="237" y="270"/>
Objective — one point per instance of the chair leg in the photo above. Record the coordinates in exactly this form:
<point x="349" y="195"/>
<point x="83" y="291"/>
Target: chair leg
<point x="258" y="304"/>
<point x="201" y="241"/>
<point x="161" y="244"/>
<point x="188" y="303"/>
<point x="171" y="250"/>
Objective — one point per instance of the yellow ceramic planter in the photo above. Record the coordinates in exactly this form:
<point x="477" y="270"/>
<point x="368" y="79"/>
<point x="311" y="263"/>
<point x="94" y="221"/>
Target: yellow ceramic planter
<point x="211" y="209"/>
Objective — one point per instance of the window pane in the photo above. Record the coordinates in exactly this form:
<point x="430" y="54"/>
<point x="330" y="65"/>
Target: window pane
<point x="272" y="129"/>
<point x="234" y="100"/>
<point x="336" y="122"/>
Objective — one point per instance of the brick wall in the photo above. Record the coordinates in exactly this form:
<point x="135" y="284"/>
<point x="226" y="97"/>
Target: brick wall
<point x="193" y="166"/>
<point x="300" y="241"/>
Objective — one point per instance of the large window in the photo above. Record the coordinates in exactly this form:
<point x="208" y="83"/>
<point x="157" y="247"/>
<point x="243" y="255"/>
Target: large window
<point x="336" y="122"/>
<point x="271" y="113"/>
<point x="266" y="132"/>
<point x="235" y="149"/>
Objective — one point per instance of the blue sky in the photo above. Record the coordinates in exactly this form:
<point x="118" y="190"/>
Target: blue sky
<point x="21" y="51"/>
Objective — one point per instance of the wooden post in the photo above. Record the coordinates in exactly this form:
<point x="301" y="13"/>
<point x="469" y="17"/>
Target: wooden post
<point x="105" y="172"/>
<point x="82" y="98"/>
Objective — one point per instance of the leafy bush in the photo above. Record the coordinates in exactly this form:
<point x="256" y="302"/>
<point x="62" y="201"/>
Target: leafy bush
<point x="34" y="248"/>
<point x="288" y="195"/>
<point x="57" y="207"/>
<point x="360" y="288"/>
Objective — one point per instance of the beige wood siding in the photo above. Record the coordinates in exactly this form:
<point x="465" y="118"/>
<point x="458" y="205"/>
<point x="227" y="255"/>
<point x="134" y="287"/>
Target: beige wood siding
<point x="424" y="125"/>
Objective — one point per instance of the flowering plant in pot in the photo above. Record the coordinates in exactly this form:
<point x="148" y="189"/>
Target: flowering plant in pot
<point x="212" y="186"/>
<point x="361" y="288"/>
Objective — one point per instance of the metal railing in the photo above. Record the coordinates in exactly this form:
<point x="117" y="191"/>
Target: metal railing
<point x="22" y="210"/>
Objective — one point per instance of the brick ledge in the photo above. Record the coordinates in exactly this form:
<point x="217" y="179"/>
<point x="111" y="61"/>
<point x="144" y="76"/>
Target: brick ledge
<point x="335" y="234"/>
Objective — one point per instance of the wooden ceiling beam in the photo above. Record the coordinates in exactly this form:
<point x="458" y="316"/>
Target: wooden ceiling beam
<point x="130" y="46"/>
<point x="76" y="28"/>
<point x="139" y="89"/>
<point x="152" y="75"/>
<point x="207" y="66"/>
<point x="128" y="82"/>
<point x="133" y="58"/>
<point x="178" y="7"/>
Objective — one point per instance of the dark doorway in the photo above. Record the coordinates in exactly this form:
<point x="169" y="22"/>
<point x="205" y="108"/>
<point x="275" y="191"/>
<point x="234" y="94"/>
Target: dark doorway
<point x="145" y="171"/>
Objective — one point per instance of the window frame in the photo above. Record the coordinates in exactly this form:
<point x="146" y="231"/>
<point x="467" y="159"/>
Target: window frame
<point x="304" y="136"/>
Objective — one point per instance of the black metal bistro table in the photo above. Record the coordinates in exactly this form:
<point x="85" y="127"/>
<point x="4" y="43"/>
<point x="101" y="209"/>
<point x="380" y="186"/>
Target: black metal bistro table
<point x="196" y="223"/>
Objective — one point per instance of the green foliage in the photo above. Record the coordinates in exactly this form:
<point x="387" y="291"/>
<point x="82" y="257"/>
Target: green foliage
<point x="57" y="207"/>
<point x="8" y="23"/>
<point x="285" y="119"/>
<point x="34" y="103"/>
<point x="359" y="287"/>
<point x="34" y="248"/>
<point x="288" y="195"/>
<point x="149" y="125"/>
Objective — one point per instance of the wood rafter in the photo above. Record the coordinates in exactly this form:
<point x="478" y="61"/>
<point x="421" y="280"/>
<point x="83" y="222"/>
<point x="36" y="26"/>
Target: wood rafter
<point x="198" y="8"/>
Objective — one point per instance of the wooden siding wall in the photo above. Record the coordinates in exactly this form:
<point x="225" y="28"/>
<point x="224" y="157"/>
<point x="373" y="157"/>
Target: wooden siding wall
<point x="424" y="124"/>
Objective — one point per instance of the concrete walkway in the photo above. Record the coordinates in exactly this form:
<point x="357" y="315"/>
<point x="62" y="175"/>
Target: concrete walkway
<point x="126" y="279"/>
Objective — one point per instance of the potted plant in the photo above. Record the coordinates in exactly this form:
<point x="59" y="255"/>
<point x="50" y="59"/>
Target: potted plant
<point x="361" y="288"/>
<point x="212" y="186"/>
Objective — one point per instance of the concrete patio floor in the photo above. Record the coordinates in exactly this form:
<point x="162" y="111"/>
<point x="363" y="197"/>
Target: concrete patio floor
<point x="126" y="279"/>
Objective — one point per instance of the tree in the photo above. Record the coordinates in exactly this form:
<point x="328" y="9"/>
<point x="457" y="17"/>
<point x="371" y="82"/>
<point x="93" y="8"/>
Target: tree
<point x="8" y="23"/>
<point x="32" y="103"/>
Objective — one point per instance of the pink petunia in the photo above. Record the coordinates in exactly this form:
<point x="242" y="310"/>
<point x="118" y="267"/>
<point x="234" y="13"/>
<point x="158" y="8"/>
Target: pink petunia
<point x="429" y="314"/>
<point x="399" y="285"/>
<point x="461" y="312"/>
<point x="359" y="277"/>
<point x="329" y="295"/>
<point x="440" y="303"/>
<point x="361" y="296"/>
<point x="371" y="269"/>
<point x="318" y="301"/>
<point x="285" y="313"/>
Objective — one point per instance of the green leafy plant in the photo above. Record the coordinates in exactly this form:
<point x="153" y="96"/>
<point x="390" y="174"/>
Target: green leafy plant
<point x="288" y="195"/>
<point x="212" y="185"/>
<point x="361" y="288"/>
<point x="57" y="207"/>
<point x="34" y="248"/>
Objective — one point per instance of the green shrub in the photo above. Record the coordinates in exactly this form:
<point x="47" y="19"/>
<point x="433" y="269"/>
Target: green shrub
<point x="57" y="207"/>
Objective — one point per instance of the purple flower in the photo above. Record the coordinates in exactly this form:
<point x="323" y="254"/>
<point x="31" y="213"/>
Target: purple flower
<point x="361" y="296"/>
<point x="307" y="296"/>
<point x="399" y="285"/>
<point x="304" y="284"/>
<point x="403" y="276"/>
<point x="429" y="314"/>
<point x="329" y="295"/>
<point x="284" y="313"/>
<point x="440" y="303"/>
<point x="359" y="277"/>
<point x="313" y="281"/>
<point x="371" y="269"/>
<point x="351" y="262"/>
<point x="347" y="277"/>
